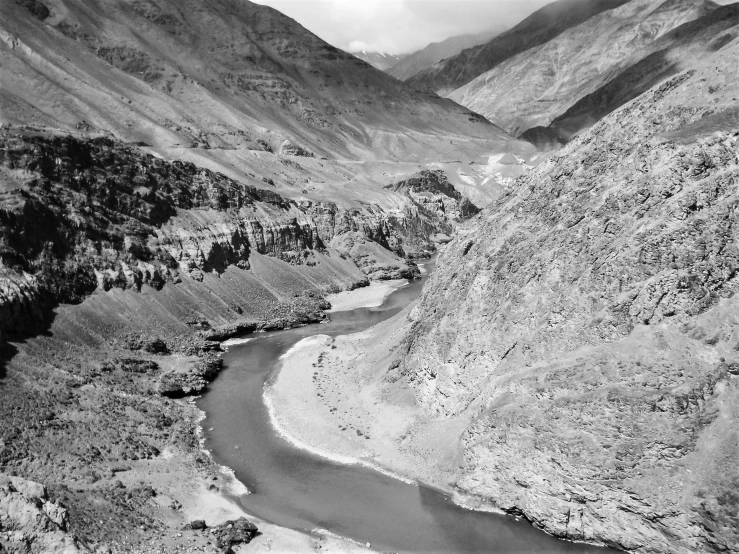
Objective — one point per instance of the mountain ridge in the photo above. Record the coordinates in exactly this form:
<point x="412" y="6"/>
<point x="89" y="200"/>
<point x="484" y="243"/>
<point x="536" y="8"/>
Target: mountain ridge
<point x="540" y="27"/>
<point x="417" y="61"/>
<point x="537" y="86"/>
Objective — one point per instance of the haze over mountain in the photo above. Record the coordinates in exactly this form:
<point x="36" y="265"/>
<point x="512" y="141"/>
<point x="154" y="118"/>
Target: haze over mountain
<point x="380" y="60"/>
<point x="422" y="59"/>
<point x="401" y="26"/>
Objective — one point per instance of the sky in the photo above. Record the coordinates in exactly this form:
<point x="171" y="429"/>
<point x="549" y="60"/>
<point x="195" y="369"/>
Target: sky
<point x="399" y="26"/>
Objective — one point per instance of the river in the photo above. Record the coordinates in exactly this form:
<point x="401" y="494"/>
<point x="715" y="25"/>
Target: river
<point x="296" y="489"/>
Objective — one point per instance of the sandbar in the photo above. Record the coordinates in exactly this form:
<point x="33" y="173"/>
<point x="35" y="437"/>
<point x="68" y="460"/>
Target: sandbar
<point x="366" y="297"/>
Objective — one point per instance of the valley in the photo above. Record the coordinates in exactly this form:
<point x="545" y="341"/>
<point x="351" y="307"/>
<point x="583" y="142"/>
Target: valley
<point x="258" y="295"/>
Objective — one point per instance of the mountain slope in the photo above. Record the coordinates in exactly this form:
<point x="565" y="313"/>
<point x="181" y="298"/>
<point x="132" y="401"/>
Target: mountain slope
<point x="540" y="27"/>
<point x="583" y="329"/>
<point x="219" y="74"/>
<point x="646" y="41"/>
<point x="681" y="48"/>
<point x="416" y="62"/>
<point x="173" y="174"/>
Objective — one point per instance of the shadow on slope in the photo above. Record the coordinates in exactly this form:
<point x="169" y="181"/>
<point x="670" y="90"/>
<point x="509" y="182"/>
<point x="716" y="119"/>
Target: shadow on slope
<point x="704" y="35"/>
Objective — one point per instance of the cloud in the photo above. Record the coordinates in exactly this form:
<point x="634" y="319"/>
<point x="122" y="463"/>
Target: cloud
<point x="397" y="26"/>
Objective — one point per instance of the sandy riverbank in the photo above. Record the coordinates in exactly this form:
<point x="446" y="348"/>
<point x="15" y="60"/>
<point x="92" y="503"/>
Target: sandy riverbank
<point x="366" y="297"/>
<point x="333" y="398"/>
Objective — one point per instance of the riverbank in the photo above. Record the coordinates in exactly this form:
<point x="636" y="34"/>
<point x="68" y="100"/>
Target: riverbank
<point x="215" y="508"/>
<point x="367" y="297"/>
<point x="333" y="398"/>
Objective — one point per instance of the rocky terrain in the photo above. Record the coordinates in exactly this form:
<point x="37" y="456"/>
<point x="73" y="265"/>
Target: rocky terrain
<point x="539" y="28"/>
<point x="567" y="84"/>
<point x="170" y="177"/>
<point x="87" y="215"/>
<point x="120" y="272"/>
<point x="582" y="331"/>
<point x="173" y="174"/>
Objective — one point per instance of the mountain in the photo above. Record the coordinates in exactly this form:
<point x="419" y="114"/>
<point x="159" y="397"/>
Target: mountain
<point x="577" y="345"/>
<point x="674" y="52"/>
<point x="540" y="27"/>
<point x="380" y="60"/>
<point x="220" y="75"/>
<point x="416" y="62"/>
<point x="569" y="78"/>
<point x="172" y="174"/>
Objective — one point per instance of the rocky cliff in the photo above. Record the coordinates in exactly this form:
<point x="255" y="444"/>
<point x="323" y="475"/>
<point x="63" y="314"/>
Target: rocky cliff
<point x="97" y="214"/>
<point x="585" y="327"/>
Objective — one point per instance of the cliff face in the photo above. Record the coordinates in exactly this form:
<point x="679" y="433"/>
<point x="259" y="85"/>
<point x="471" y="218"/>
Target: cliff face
<point x="585" y="324"/>
<point x="96" y="214"/>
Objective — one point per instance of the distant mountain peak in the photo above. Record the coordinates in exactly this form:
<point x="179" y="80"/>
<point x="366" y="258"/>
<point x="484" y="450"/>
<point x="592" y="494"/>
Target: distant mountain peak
<point x="379" y="60"/>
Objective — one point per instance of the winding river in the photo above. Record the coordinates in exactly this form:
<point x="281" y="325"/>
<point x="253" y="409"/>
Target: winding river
<point x="296" y="489"/>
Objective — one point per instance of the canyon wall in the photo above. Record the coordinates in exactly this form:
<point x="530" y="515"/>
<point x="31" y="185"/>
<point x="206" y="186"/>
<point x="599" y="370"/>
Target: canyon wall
<point x="80" y="216"/>
<point x="586" y="326"/>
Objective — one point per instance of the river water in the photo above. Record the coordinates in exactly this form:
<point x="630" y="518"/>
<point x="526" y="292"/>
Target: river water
<point x="296" y="489"/>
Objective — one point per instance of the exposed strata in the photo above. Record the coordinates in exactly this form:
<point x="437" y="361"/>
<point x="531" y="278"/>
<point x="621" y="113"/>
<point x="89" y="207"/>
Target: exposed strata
<point x="98" y="214"/>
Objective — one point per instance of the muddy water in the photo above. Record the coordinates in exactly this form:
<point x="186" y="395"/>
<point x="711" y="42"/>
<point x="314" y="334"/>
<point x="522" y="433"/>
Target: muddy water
<point x="297" y="489"/>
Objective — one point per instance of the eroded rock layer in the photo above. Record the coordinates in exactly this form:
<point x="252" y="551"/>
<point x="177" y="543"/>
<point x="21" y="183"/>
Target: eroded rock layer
<point x="96" y="215"/>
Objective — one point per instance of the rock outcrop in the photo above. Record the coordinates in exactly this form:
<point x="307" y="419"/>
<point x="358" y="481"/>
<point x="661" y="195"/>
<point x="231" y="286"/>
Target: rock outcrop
<point x="585" y="325"/>
<point x="433" y="192"/>
<point x="30" y="523"/>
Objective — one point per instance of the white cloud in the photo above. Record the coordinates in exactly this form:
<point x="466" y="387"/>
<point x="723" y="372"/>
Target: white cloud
<point x="397" y="26"/>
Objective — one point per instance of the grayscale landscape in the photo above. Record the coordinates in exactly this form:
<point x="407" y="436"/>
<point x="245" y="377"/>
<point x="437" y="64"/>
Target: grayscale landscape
<point x="272" y="280"/>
